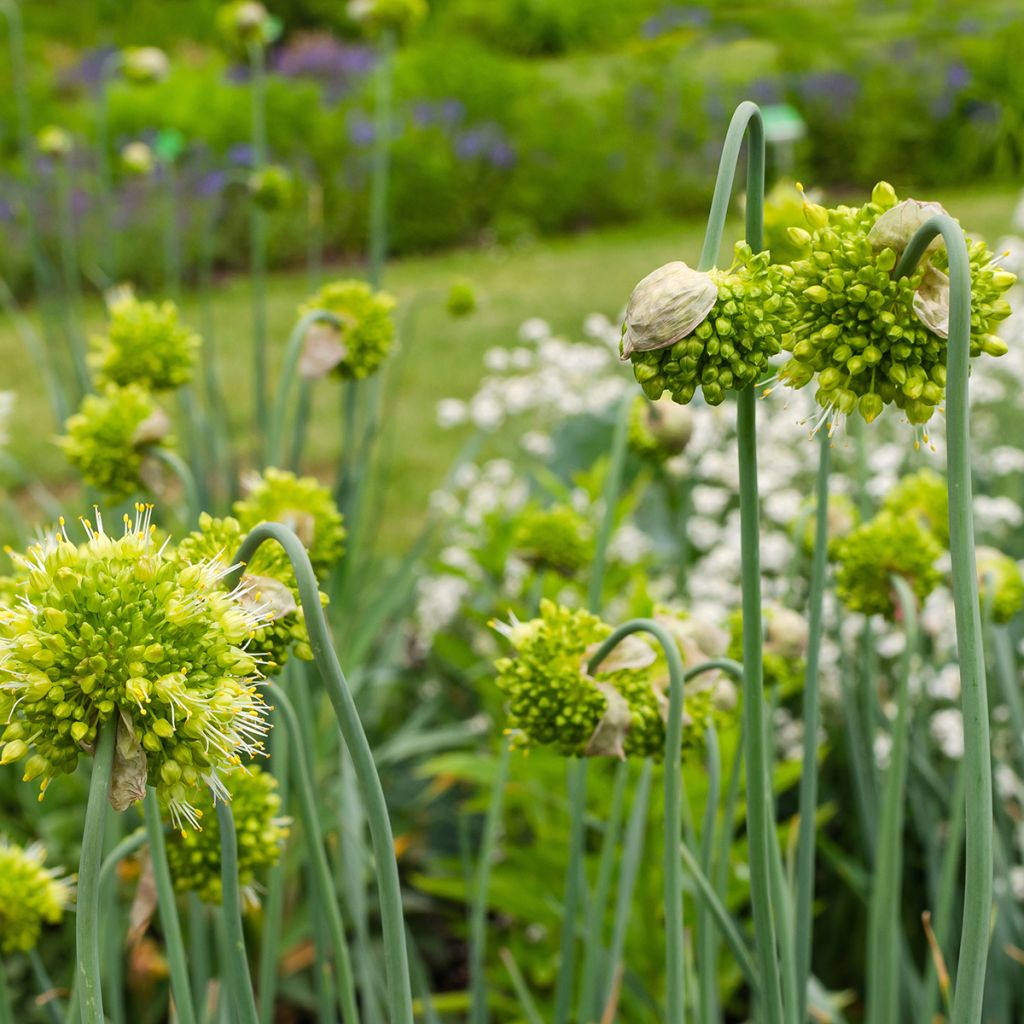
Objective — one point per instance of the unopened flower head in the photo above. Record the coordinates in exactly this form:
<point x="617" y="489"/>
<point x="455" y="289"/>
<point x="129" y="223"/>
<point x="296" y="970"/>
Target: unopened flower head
<point x="145" y="65"/>
<point x="399" y="16"/>
<point x="302" y="504"/>
<point x="268" y="588"/>
<point x="31" y="895"/>
<point x="366" y="331"/>
<point x="55" y="142"/>
<point x="115" y="632"/>
<point x="842" y="516"/>
<point x="109" y="438"/>
<point x="924" y="496"/>
<point x="686" y="329"/>
<point x="145" y="343"/>
<point x="243" y="23"/>
<point x="556" y="538"/>
<point x="138" y="159"/>
<point x="866" y="338"/>
<point x="461" y="300"/>
<point x="886" y="546"/>
<point x="659" y="430"/>
<point x="272" y="187"/>
<point x="1000" y="584"/>
<point x="193" y="855"/>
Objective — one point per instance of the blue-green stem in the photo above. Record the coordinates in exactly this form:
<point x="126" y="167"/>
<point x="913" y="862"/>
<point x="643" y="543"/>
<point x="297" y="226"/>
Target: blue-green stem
<point x="198" y="951"/>
<point x="237" y="965"/>
<point x="522" y="991"/>
<point x="48" y="998"/>
<point x="575" y="886"/>
<point x="381" y="158"/>
<point x="481" y="887"/>
<point x="707" y="942"/>
<point x="746" y="123"/>
<point x="72" y="273"/>
<point x="974" y="937"/>
<point x="258" y="241"/>
<point x="174" y="943"/>
<point x="87" y="916"/>
<point x="803" y="927"/>
<point x="321" y="871"/>
<point x="292" y="354"/>
<point x="884" y="907"/>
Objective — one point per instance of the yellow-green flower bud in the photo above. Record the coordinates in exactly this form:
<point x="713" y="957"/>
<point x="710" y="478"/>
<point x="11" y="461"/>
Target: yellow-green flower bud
<point x="31" y="895"/>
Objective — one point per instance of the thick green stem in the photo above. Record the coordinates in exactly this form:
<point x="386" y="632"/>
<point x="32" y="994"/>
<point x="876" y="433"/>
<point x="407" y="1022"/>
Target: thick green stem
<point x="707" y="941"/>
<point x="199" y="952"/>
<point x="237" y="966"/>
<point x="87" y="917"/>
<point x="174" y="943"/>
<point x="974" y="938"/>
<point x="575" y="886"/>
<point x="805" y="870"/>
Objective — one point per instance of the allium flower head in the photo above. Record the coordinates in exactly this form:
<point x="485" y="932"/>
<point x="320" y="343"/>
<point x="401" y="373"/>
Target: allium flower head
<point x="1000" y="574"/>
<point x="659" y="430"/>
<point x="137" y="158"/>
<point x="461" y="300"/>
<point x="118" y="632"/>
<point x="400" y="16"/>
<point x="145" y="344"/>
<point x="556" y="538"/>
<point x="367" y="331"/>
<point x="866" y="338"/>
<point x="145" y="65"/>
<point x="886" y="546"/>
<point x="302" y="504"/>
<point x="924" y="496"/>
<point x="31" y="895"/>
<point x="193" y="855"/>
<point x="244" y="22"/>
<point x="54" y="142"/>
<point x="842" y="516"/>
<point x="107" y="440"/>
<point x="686" y="329"/>
<point x="272" y="187"/>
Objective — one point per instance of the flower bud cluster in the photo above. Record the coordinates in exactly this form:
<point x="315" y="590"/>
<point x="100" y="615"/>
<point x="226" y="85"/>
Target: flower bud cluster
<point x="461" y="300"/>
<point x="193" y="855"/>
<point x="271" y="187"/>
<point x="243" y="23"/>
<point x="659" y="430"/>
<point x="118" y="632"/>
<point x="1000" y="584"/>
<point x="144" y="65"/>
<point x="31" y="895"/>
<point x="556" y="538"/>
<point x="923" y="496"/>
<point x="720" y="342"/>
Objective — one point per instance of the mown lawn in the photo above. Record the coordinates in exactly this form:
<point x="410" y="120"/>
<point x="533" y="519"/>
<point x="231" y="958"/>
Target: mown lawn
<point x="561" y="280"/>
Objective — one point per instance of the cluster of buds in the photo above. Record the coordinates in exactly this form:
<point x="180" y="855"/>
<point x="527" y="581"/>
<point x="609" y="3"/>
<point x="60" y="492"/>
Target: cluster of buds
<point x="554" y="700"/>
<point x="268" y="587"/>
<point x="110" y="437"/>
<point x="272" y="187"/>
<point x="31" y="895"/>
<point x="302" y="504"/>
<point x="461" y="299"/>
<point x="193" y="855"/>
<point x="923" y="496"/>
<point x="888" y="545"/>
<point x="866" y="337"/>
<point x="686" y="329"/>
<point x="841" y="517"/>
<point x="145" y="343"/>
<point x="1000" y="584"/>
<point x="786" y="636"/>
<point x="659" y="430"/>
<point x="558" y="539"/>
<point x="245" y="23"/>
<point x="117" y="632"/>
<point x="398" y="16"/>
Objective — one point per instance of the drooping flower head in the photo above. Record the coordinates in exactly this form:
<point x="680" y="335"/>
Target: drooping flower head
<point x="302" y="504"/>
<point x="999" y="582"/>
<point x="399" y="16"/>
<point x="109" y="438"/>
<point x="357" y="348"/>
<point x="31" y="895"/>
<point x="886" y="546"/>
<point x="924" y="496"/>
<point x="272" y="187"/>
<point x="659" y="430"/>
<point x="118" y="633"/>
<point x="193" y="855"/>
<point x="145" y="344"/>
<point x="556" y="538"/>
<point x="686" y="329"/>
<point x="866" y="338"/>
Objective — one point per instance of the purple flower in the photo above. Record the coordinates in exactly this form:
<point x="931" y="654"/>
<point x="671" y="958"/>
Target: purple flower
<point x="673" y="18"/>
<point x="211" y="184"/>
<point x="241" y="155"/>
<point x="765" y="91"/>
<point x="501" y="155"/>
<point x="361" y="130"/>
<point x="88" y="72"/>
<point x="321" y="57"/>
<point x="835" y="89"/>
<point x="8" y="214"/>
<point x="958" y="76"/>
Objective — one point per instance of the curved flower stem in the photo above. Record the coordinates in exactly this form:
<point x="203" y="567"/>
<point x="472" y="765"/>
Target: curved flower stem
<point x="287" y="375"/>
<point x="181" y="984"/>
<point x="746" y="121"/>
<point x="883" y="993"/>
<point x="803" y="912"/>
<point x="237" y="965"/>
<point x="87" y="918"/>
<point x="974" y="938"/>
<point x="318" y="858"/>
<point x="179" y="467"/>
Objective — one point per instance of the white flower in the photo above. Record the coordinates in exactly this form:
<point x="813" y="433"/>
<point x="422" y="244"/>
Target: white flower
<point x="947" y="729"/>
<point x="486" y="411"/>
<point x="710" y="501"/>
<point x="629" y="544"/>
<point x="439" y="599"/>
<point x="945" y="684"/>
<point x="882" y="749"/>
<point x="451" y="412"/>
<point x="536" y="442"/>
<point x="997" y="513"/>
<point x="535" y="329"/>
<point x="6" y="408"/>
<point x="496" y="359"/>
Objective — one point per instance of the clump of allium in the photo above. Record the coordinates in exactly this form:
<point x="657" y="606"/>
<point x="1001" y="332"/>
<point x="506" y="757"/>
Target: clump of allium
<point x="119" y="633"/>
<point x="193" y="855"/>
<point x="886" y="546"/>
<point x="461" y="300"/>
<point x="109" y="438"/>
<point x="243" y="23"/>
<point x="842" y="516"/>
<point x="272" y="187"/>
<point x="144" y="65"/>
<point x="925" y="496"/>
<point x="31" y="895"/>
<point x="145" y="344"/>
<point x="554" y="701"/>
<point x="556" y="538"/>
<point x="302" y="504"/>
<point x="865" y="337"/>
<point x="399" y="16"/>
<point x="366" y="332"/>
<point x="1000" y="574"/>
<point x="659" y="430"/>
<point x="268" y="588"/>
<point x="784" y="653"/>
<point x="686" y="329"/>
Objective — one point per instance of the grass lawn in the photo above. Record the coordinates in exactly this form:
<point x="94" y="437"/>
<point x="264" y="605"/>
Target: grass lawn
<point x="560" y="279"/>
